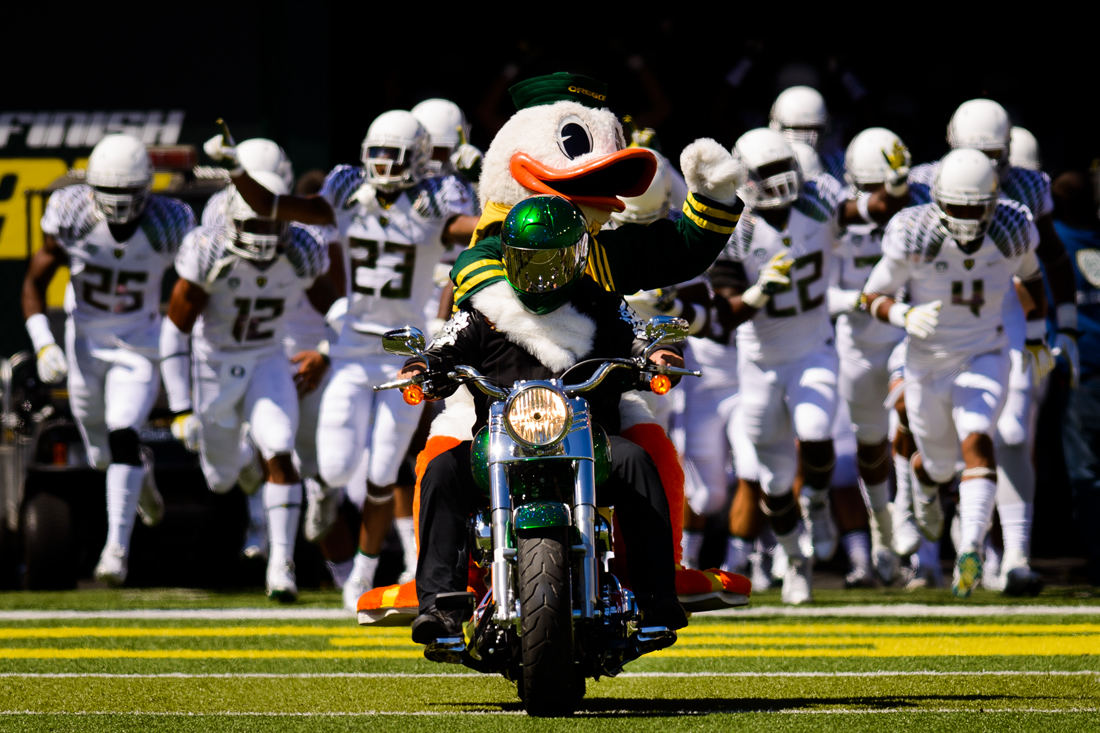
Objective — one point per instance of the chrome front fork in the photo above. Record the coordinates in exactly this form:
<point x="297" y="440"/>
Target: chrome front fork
<point x="500" y="503"/>
<point x="579" y="443"/>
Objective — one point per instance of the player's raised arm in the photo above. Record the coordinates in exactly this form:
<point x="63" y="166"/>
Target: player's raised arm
<point x="52" y="366"/>
<point x="878" y="150"/>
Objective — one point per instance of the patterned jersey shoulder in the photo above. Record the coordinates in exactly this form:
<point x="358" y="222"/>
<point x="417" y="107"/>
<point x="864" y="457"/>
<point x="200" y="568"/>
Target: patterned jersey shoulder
<point x="740" y="242"/>
<point x="819" y="198"/>
<point x="214" y="213"/>
<point x="307" y="251"/>
<point x="166" y="222"/>
<point x="914" y="234"/>
<point x="70" y="214"/>
<point x="204" y="250"/>
<point x="442" y="197"/>
<point x="1030" y="188"/>
<point x="341" y="182"/>
<point x="1012" y="228"/>
<point x="920" y="183"/>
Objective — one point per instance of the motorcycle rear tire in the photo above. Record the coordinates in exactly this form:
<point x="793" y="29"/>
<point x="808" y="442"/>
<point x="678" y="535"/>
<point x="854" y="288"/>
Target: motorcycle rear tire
<point x="546" y="608"/>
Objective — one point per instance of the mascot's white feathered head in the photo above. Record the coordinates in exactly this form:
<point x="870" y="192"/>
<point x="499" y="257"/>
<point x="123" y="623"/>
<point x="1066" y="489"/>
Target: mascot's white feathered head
<point x="563" y="140"/>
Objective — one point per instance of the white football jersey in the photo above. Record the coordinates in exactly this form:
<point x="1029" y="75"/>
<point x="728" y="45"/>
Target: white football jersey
<point x="1030" y="188"/>
<point x="858" y="251"/>
<point x="392" y="252"/>
<point x="114" y="286"/>
<point x="249" y="300"/>
<point x="795" y="320"/>
<point x="971" y="286"/>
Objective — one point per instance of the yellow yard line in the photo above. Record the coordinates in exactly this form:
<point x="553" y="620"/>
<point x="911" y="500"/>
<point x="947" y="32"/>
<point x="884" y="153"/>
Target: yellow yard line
<point x="901" y="629"/>
<point x="893" y="646"/>
<point x="68" y="632"/>
<point x="209" y="654"/>
<point x="405" y="640"/>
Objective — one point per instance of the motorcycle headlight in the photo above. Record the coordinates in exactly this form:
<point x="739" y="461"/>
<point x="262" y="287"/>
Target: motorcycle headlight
<point x="538" y="416"/>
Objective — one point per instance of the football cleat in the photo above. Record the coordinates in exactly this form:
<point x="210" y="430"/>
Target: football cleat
<point x="883" y="559"/>
<point x="798" y="581"/>
<point x="968" y="570"/>
<point x="1017" y="577"/>
<point x="860" y="576"/>
<point x="407" y="575"/>
<point x="928" y="512"/>
<point x="112" y="566"/>
<point x="885" y="563"/>
<point x="150" y="503"/>
<point x="256" y="544"/>
<point x="821" y="529"/>
<point x="992" y="578"/>
<point x="281" y="584"/>
<point x="354" y="587"/>
<point x="322" y="509"/>
<point x="906" y="534"/>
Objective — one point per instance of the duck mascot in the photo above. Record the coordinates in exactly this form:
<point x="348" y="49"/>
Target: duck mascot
<point x="563" y="140"/>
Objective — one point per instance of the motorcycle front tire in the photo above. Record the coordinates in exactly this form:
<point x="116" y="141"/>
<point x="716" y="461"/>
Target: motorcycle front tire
<point x="546" y="609"/>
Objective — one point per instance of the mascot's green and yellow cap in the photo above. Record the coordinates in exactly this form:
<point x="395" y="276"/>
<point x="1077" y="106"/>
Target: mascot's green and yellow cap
<point x="558" y="87"/>
<point x="545" y="251"/>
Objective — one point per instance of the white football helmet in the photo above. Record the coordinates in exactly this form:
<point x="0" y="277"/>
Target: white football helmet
<point x="396" y="151"/>
<point x="872" y="154"/>
<point x="260" y="154"/>
<point x="800" y="114"/>
<point x="983" y="125"/>
<point x="652" y="205"/>
<point x="1023" y="150"/>
<point x="809" y="162"/>
<point x="256" y="237"/>
<point x="772" y="177"/>
<point x="443" y="119"/>
<point x="965" y="193"/>
<point x="121" y="176"/>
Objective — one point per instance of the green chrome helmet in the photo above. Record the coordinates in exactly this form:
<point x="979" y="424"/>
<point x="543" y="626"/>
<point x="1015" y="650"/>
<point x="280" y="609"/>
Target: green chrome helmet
<point x="545" y="246"/>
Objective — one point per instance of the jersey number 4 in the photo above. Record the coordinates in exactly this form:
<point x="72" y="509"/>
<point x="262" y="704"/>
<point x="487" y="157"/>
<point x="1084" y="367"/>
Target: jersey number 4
<point x="402" y="290"/>
<point x="813" y="260"/>
<point x="977" y="295"/>
<point x="252" y="315"/>
<point x="111" y="286"/>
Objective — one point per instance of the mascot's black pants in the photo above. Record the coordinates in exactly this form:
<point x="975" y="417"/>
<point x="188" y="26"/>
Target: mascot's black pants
<point x="449" y="496"/>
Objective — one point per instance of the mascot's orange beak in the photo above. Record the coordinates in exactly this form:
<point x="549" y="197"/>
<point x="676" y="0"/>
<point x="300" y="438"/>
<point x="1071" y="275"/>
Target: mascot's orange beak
<point x="596" y="183"/>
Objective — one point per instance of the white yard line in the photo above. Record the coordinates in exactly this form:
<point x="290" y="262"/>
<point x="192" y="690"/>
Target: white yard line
<point x="580" y="714"/>
<point x="884" y="610"/>
<point x="400" y="675"/>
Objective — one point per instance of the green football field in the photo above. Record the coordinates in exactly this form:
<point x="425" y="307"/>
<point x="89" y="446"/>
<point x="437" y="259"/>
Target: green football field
<point x="879" y="660"/>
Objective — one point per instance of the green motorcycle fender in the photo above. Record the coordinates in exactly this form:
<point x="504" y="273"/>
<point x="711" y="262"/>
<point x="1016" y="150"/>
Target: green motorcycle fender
<point x="541" y="514"/>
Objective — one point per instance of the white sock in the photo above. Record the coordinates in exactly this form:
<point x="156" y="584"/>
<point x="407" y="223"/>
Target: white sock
<point x="903" y="500"/>
<point x="1015" y="496"/>
<point x="976" y="498"/>
<point x="407" y="532"/>
<point x="363" y="567"/>
<point x="877" y="495"/>
<point x="123" y="492"/>
<point x="690" y="544"/>
<point x="857" y="544"/>
<point x="284" y="505"/>
<point x="340" y="571"/>
<point x="257" y="514"/>
<point x="789" y="542"/>
<point x="1016" y="526"/>
<point x="738" y="550"/>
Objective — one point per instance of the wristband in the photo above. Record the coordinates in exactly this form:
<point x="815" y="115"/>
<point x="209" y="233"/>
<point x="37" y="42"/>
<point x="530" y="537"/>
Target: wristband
<point x="1036" y="330"/>
<point x="38" y="326"/>
<point x="755" y="297"/>
<point x="897" y="314"/>
<point x="1065" y="315"/>
<point x="862" y="202"/>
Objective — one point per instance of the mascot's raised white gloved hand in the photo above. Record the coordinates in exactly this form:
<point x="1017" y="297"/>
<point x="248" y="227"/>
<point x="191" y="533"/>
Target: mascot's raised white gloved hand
<point x="467" y="161"/>
<point x="217" y="150"/>
<point x="918" y="320"/>
<point x="773" y="277"/>
<point x="710" y="170"/>
<point x="186" y="428"/>
<point x="52" y="364"/>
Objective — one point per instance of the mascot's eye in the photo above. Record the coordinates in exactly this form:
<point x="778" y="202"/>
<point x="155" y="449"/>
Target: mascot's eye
<point x="574" y="139"/>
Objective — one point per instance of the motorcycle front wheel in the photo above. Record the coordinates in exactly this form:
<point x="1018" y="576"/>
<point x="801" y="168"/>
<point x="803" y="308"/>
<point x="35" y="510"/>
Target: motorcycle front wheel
<point x="546" y="610"/>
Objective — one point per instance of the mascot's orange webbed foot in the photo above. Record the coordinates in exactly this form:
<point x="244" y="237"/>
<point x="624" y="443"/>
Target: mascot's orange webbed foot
<point x="710" y="590"/>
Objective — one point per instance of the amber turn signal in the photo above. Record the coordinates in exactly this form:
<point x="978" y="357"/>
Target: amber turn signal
<point x="413" y="394"/>
<point x="660" y="384"/>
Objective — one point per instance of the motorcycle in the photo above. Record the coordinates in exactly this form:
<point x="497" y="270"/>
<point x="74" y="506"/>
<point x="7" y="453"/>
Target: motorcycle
<point x="554" y="615"/>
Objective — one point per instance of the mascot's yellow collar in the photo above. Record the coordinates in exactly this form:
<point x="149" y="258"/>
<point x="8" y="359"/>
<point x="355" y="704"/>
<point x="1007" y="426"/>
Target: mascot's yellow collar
<point x="493" y="217"/>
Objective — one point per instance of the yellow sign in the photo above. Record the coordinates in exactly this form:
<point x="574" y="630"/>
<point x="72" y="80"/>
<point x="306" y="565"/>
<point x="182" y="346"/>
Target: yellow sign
<point x="17" y="176"/>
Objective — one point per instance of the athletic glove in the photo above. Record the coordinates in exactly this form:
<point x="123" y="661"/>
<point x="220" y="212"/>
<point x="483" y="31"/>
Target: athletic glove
<point x="772" y="278"/>
<point x="1036" y="352"/>
<point x="467" y="161"/>
<point x="918" y="320"/>
<point x="897" y="179"/>
<point x="186" y="427"/>
<point x="218" y="150"/>
<point x="1065" y="347"/>
<point x="660" y="302"/>
<point x="52" y="365"/>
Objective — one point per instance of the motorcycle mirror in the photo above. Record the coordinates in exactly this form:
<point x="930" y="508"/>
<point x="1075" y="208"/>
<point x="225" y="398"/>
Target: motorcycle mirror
<point x="407" y="341"/>
<point x="666" y="329"/>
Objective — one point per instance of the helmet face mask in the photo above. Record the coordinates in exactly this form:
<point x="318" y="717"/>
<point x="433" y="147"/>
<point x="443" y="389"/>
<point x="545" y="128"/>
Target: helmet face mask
<point x="774" y="185"/>
<point x="121" y="176"/>
<point x="255" y="237"/>
<point x="545" y="245"/>
<point x="964" y="194"/>
<point x="119" y="205"/>
<point x="396" y="152"/>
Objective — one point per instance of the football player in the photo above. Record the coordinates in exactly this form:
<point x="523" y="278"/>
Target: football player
<point x="395" y="222"/>
<point x="451" y="153"/>
<point x="117" y="239"/>
<point x="799" y="113"/>
<point x="958" y="256"/>
<point x="237" y="284"/>
<point x="778" y="264"/>
<point x="983" y="124"/>
<point x="874" y="157"/>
